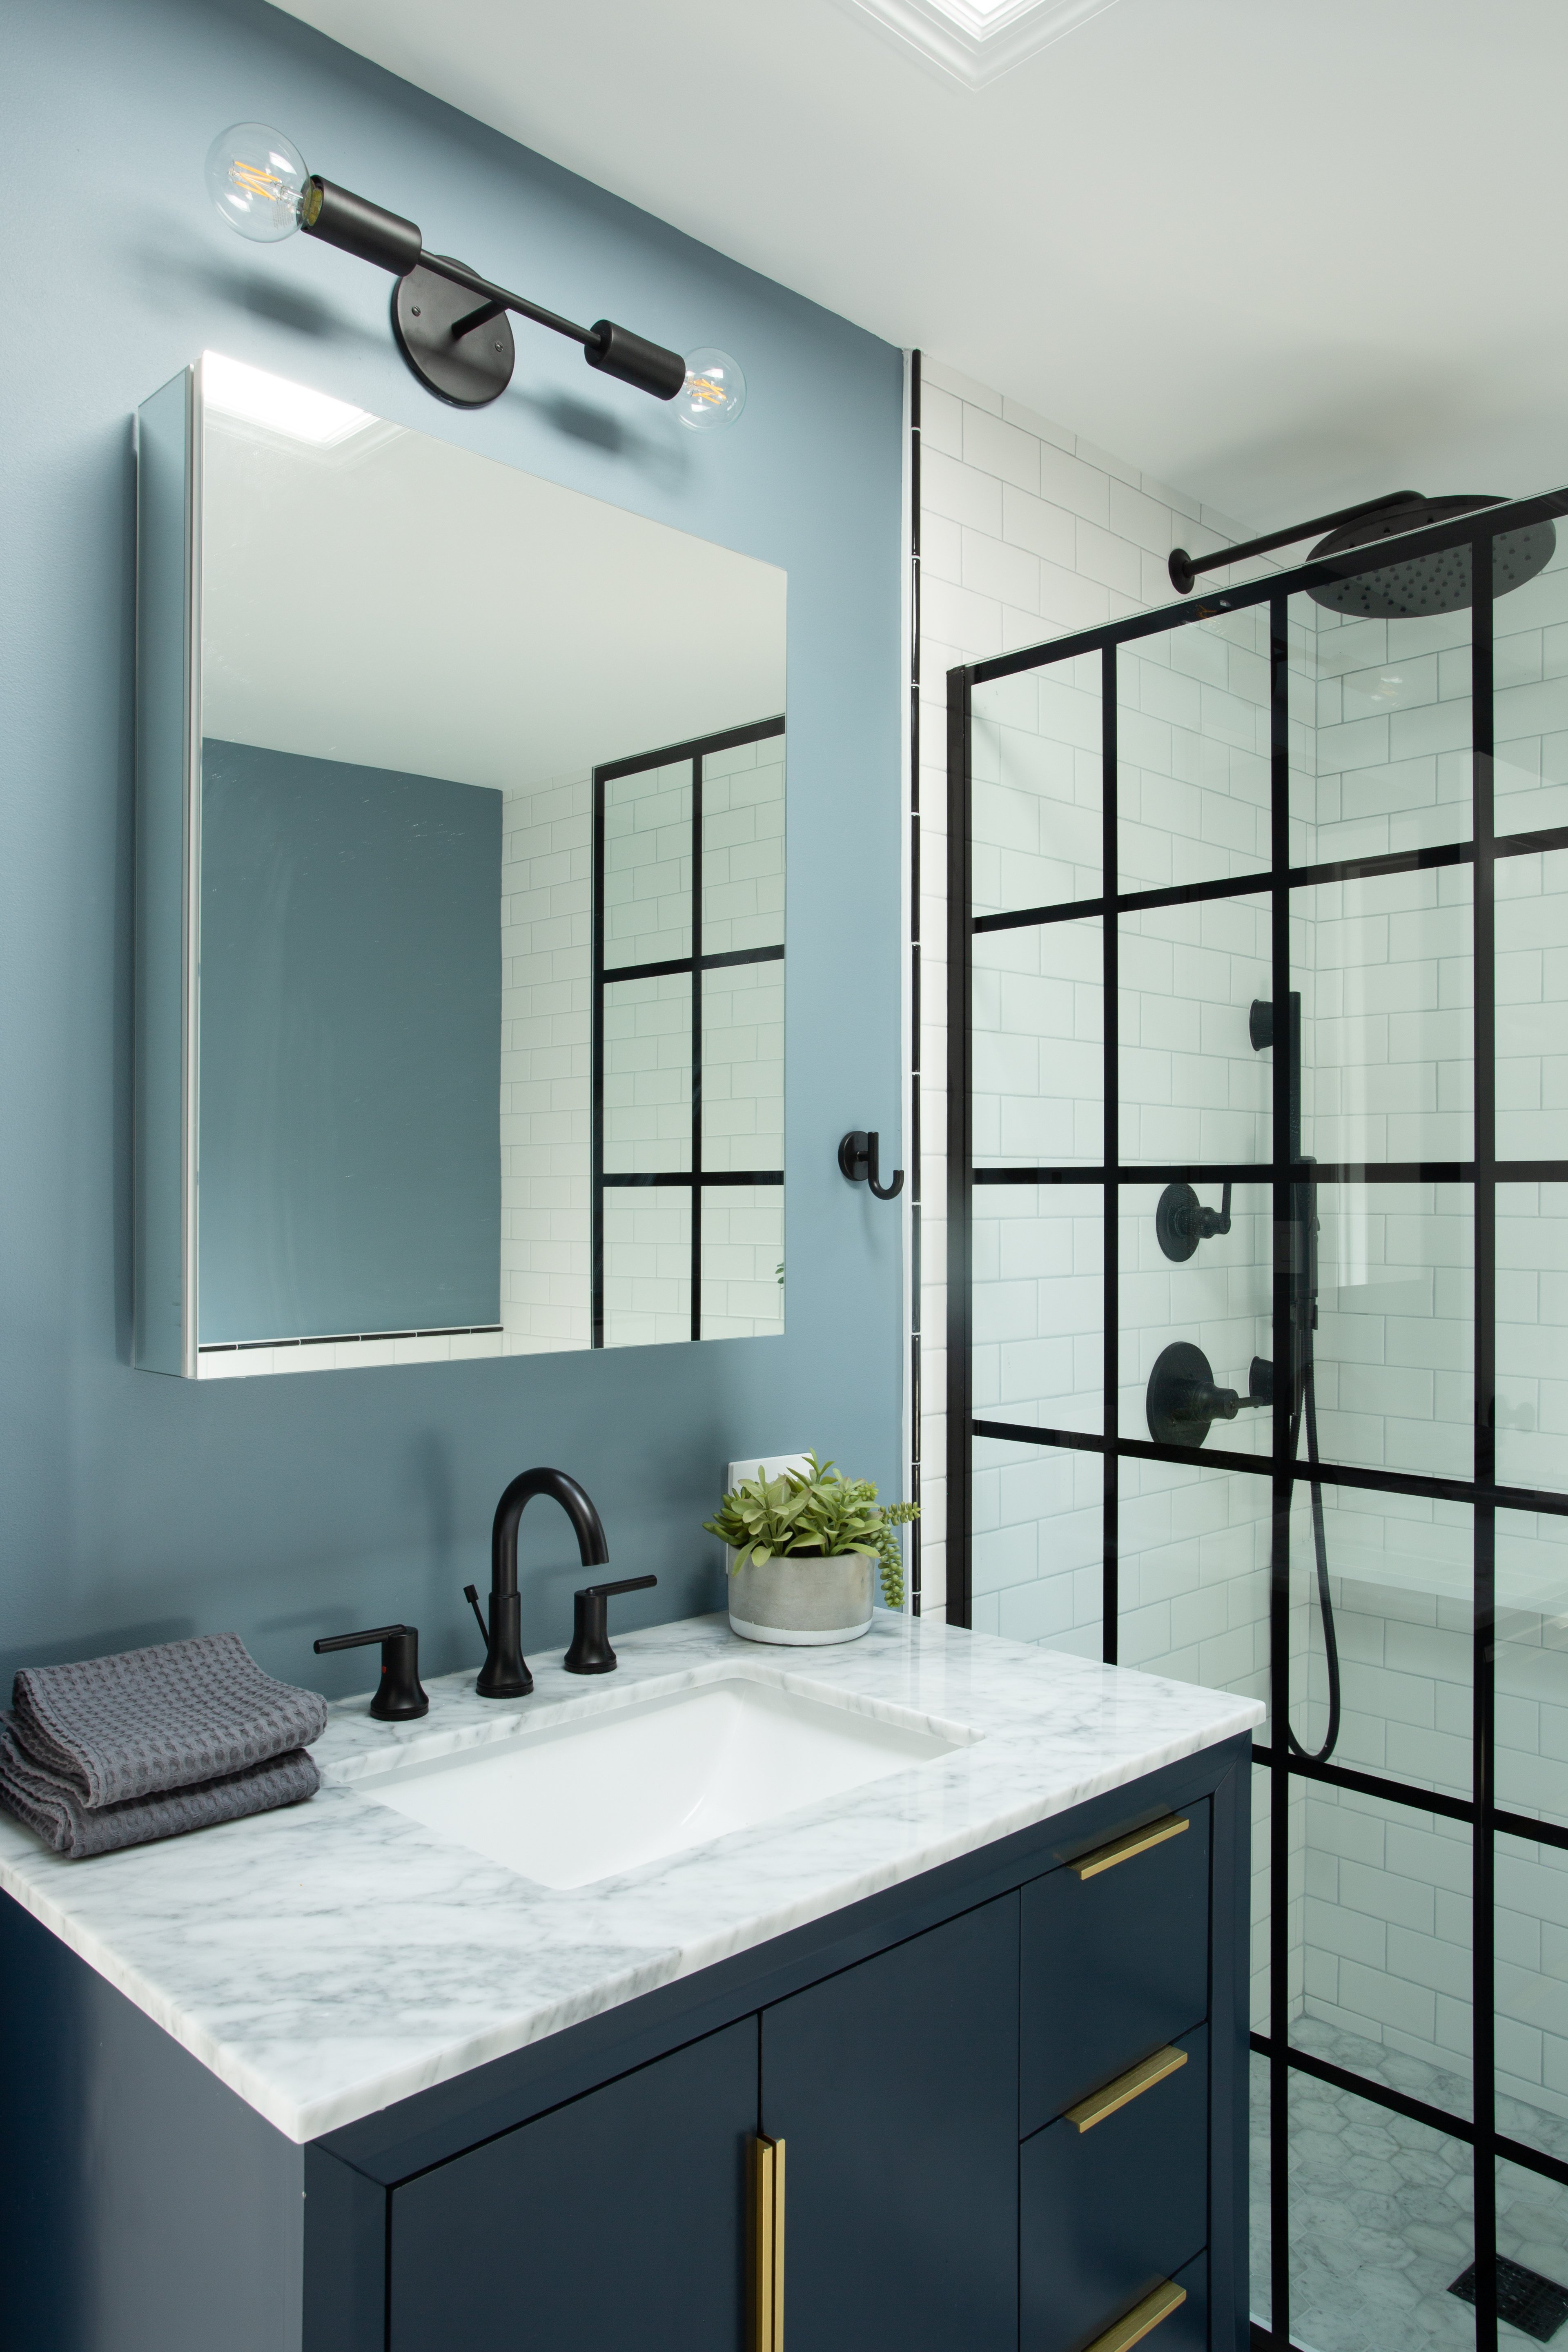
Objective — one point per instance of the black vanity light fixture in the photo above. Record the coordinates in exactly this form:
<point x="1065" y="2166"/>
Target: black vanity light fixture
<point x="451" y="324"/>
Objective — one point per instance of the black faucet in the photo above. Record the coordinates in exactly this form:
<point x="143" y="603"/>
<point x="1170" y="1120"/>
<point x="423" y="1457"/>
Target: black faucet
<point x="504" y="1673"/>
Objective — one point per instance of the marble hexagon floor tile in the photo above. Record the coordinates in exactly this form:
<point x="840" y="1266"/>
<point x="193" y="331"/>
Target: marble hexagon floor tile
<point x="1381" y="2206"/>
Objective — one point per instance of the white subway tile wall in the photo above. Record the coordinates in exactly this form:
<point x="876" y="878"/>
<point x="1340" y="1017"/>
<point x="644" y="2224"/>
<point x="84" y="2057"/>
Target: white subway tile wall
<point x="647" y="1264"/>
<point x="647" y="1074"/>
<point x="742" y="1261"/>
<point x="743" y="1065"/>
<point x="743" y="847"/>
<point x="546" y="1017"/>
<point x="648" y="866"/>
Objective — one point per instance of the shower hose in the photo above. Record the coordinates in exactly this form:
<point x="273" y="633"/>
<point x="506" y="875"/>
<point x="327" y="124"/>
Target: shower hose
<point x="1308" y="1409"/>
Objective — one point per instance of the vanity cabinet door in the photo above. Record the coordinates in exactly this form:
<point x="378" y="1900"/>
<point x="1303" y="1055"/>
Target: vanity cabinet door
<point x="894" y="2086"/>
<point x="617" y="2220"/>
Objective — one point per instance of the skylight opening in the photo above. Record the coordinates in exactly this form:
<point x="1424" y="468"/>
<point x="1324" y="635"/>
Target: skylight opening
<point x="977" y="40"/>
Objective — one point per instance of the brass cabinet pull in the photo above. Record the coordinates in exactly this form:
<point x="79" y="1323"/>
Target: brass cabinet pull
<point x="1131" y="2085"/>
<point x="1122" y="1849"/>
<point x="766" y="2165"/>
<point x="1141" y="2320"/>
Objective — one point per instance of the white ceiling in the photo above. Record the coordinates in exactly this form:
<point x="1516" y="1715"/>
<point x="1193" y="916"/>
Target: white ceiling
<point x="1281" y="253"/>
<point x="393" y="601"/>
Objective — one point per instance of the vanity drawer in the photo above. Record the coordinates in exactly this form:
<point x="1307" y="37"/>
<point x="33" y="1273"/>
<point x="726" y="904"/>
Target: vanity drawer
<point x="1112" y="2210"/>
<point x="1115" y="1960"/>
<point x="1173" y="2317"/>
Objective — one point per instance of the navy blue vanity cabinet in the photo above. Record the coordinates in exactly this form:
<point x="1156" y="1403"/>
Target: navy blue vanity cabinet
<point x="894" y="2087"/>
<point x="617" y="2218"/>
<point x="1011" y="2094"/>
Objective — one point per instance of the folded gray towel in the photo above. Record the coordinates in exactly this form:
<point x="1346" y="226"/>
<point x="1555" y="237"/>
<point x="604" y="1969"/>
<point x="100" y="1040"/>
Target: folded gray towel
<point x="45" y="1802"/>
<point x="148" y="1721"/>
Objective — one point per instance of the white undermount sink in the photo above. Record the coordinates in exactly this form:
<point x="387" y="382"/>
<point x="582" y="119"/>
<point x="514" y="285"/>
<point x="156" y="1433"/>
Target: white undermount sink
<point x="607" y="1791"/>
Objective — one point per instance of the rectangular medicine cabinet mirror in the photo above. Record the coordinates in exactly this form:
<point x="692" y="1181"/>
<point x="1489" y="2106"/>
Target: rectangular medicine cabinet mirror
<point x="459" y="902"/>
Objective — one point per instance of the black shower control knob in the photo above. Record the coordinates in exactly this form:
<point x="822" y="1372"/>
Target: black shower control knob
<point x="1182" y="1221"/>
<point x="1183" y="1400"/>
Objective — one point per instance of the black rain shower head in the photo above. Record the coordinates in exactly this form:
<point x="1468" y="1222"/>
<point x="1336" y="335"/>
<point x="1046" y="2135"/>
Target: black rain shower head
<point x="1421" y="585"/>
<point x="1426" y="583"/>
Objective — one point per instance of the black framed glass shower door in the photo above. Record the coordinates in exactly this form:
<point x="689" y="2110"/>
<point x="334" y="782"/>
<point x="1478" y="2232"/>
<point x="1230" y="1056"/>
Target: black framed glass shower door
<point x="1257" y="1117"/>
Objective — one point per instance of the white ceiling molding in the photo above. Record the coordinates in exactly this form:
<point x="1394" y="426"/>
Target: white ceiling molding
<point x="977" y="40"/>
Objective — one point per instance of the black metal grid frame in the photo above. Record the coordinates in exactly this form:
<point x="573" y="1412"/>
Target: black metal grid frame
<point x="1483" y="1174"/>
<point x="696" y="1178"/>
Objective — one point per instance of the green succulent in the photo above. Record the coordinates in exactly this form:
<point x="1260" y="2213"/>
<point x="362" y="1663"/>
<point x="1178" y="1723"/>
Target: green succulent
<point x="813" y="1511"/>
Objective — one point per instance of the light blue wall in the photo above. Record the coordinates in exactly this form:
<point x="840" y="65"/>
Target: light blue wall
<point x="136" y="1508"/>
<point x="351" y="1019"/>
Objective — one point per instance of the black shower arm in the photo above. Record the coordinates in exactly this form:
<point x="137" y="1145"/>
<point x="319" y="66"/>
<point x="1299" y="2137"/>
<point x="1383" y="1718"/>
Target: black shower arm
<point x="1183" y="568"/>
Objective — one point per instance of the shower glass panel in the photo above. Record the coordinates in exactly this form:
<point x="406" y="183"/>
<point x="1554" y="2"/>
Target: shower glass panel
<point x="1192" y="752"/>
<point x="1192" y="1088"/>
<point x="1257" y="1158"/>
<point x="1038" y="1267"/>
<point x="1036" y="761"/>
<point x="1038" y="1538"/>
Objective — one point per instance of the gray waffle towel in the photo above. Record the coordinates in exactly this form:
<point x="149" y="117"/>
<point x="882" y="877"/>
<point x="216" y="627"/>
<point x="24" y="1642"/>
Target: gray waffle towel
<point x="56" y="1813"/>
<point x="149" y="1720"/>
<point x="113" y="1750"/>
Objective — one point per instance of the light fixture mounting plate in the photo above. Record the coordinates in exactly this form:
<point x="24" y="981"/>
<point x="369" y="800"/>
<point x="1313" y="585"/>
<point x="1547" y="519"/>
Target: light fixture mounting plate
<point x="467" y="371"/>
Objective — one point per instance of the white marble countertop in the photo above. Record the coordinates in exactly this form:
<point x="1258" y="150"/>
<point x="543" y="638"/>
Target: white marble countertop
<point x="328" y="1959"/>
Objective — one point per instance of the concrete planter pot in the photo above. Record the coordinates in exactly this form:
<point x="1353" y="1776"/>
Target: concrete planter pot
<point x="801" y="1601"/>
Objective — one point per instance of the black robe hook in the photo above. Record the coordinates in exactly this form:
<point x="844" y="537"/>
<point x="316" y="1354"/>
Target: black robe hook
<point x="858" y="1161"/>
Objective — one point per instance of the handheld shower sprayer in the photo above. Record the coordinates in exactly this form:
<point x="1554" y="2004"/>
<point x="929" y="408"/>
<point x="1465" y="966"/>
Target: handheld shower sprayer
<point x="1184" y="1401"/>
<point x="1301" y="1322"/>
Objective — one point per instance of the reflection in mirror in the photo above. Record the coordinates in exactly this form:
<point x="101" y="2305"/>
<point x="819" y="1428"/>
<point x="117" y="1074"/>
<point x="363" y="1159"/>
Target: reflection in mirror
<point x="688" y="1045"/>
<point x="461" y="937"/>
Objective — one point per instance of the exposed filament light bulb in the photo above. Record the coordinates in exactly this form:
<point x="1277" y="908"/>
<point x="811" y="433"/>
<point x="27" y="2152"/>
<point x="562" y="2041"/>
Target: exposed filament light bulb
<point x="257" y="178"/>
<point x="715" y="391"/>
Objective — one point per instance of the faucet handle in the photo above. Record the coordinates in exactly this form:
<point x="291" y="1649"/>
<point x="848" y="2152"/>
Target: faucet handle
<point x="591" y="1653"/>
<point x="399" y="1696"/>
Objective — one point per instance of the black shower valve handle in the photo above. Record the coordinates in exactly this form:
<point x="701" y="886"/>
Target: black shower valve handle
<point x="858" y="1162"/>
<point x="1181" y="1221"/>
<point x="399" y="1696"/>
<point x="1183" y="1399"/>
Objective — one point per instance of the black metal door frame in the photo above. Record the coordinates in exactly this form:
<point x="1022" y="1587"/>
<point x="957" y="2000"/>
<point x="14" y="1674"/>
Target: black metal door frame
<point x="1483" y="1174"/>
<point x="696" y="963"/>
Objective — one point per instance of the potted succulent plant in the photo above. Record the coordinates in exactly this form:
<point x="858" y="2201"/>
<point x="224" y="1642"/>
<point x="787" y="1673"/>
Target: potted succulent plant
<point x="802" y="1552"/>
